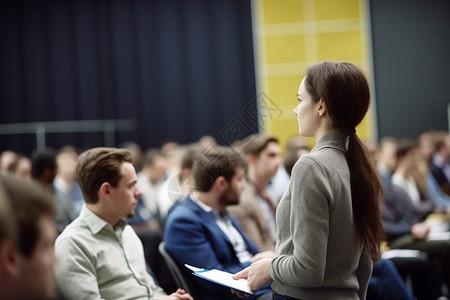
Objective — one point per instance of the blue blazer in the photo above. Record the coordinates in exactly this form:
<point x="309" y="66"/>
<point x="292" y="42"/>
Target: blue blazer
<point x="193" y="237"/>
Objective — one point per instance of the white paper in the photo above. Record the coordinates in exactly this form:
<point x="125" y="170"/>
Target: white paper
<point x="400" y="253"/>
<point x="436" y="236"/>
<point x="221" y="277"/>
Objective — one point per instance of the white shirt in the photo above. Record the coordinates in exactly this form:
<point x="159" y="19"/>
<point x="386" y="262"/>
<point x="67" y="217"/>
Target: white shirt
<point x="224" y="222"/>
<point x="268" y="215"/>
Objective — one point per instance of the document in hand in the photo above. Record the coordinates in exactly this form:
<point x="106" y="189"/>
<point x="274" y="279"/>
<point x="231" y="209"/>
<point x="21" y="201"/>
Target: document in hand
<point x="221" y="277"/>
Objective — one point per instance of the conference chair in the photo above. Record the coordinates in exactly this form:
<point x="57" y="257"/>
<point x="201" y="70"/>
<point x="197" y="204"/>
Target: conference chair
<point x="183" y="278"/>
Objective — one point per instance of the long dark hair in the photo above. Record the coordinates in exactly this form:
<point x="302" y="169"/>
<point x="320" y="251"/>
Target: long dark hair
<point x="345" y="91"/>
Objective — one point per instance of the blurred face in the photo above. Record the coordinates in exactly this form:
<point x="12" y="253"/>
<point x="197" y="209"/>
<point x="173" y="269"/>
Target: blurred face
<point x="124" y="196"/>
<point x="307" y="116"/>
<point x="23" y="168"/>
<point x="373" y="153"/>
<point x="411" y="159"/>
<point x="269" y="160"/>
<point x="388" y="157"/>
<point x="235" y="187"/>
<point x="37" y="270"/>
<point x="67" y="163"/>
<point x="158" y="169"/>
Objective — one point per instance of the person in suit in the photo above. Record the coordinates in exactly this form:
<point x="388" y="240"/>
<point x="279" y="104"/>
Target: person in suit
<point x="200" y="231"/>
<point x="256" y="209"/>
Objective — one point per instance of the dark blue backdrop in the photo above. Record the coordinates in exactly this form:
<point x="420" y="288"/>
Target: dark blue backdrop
<point x="180" y="69"/>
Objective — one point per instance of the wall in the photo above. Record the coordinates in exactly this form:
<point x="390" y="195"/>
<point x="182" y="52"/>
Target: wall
<point x="291" y="35"/>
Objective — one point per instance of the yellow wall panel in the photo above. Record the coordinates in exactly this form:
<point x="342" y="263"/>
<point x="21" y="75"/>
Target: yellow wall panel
<point x="294" y="34"/>
<point x="289" y="127"/>
<point x="283" y="90"/>
<point x="285" y="11"/>
<point x="285" y="49"/>
<point x="339" y="45"/>
<point x="337" y="9"/>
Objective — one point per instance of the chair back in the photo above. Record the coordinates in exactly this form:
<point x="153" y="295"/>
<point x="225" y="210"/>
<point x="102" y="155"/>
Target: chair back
<point x="182" y="277"/>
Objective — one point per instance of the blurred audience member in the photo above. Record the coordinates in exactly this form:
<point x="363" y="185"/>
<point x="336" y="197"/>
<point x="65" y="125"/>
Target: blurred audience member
<point x="440" y="165"/>
<point x="176" y="187"/>
<point x="65" y="181"/>
<point x="27" y="235"/>
<point x="20" y="167"/>
<point x="412" y="265"/>
<point x="150" y="179"/>
<point x="173" y="152"/>
<point x="280" y="181"/>
<point x="256" y="209"/>
<point x="408" y="158"/>
<point x="6" y="158"/>
<point x="403" y="225"/>
<point x="136" y="153"/>
<point x="387" y="158"/>
<point x="427" y="145"/>
<point x="207" y="141"/>
<point x="43" y="171"/>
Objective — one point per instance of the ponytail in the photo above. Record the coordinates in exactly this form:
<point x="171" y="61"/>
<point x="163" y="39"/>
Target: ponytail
<point x="366" y="196"/>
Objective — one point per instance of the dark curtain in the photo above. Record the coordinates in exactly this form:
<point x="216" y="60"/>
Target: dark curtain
<point x="180" y="69"/>
<point x="411" y="48"/>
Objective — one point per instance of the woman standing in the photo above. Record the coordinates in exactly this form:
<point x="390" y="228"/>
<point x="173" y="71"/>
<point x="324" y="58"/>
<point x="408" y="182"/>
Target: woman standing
<point x="329" y="222"/>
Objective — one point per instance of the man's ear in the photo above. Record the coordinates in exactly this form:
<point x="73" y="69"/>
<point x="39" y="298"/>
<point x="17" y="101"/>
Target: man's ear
<point x="220" y="183"/>
<point x="321" y="108"/>
<point x="9" y="259"/>
<point x="105" y="190"/>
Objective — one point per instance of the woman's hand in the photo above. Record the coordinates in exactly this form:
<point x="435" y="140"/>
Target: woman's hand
<point x="261" y="255"/>
<point x="257" y="275"/>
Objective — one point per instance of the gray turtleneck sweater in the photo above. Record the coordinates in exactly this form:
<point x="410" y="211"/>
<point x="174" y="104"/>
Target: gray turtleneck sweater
<point x="319" y="255"/>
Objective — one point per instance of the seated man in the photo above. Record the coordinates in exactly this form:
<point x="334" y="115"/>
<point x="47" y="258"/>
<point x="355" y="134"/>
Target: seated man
<point x="200" y="232"/>
<point x="256" y="209"/>
<point x="27" y="235"/>
<point x="100" y="256"/>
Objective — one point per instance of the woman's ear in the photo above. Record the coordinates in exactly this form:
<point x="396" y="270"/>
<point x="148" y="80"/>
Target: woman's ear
<point x="321" y="108"/>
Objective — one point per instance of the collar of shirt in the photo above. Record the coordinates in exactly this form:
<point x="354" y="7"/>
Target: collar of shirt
<point x="96" y="224"/>
<point x="223" y="215"/>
